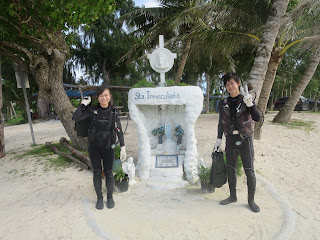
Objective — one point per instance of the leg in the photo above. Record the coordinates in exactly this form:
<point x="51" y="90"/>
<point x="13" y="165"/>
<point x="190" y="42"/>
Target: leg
<point x="108" y="158"/>
<point x="247" y="156"/>
<point x="231" y="157"/>
<point x="95" y="159"/>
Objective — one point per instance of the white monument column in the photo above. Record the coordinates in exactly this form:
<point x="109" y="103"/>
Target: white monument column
<point x="163" y="161"/>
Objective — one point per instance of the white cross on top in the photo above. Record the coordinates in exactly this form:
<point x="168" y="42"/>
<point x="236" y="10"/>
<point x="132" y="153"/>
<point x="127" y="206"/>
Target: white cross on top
<point x="161" y="60"/>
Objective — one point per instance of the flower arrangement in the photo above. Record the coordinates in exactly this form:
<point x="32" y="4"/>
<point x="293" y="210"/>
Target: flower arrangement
<point x="159" y="131"/>
<point x="178" y="131"/>
<point x="154" y="131"/>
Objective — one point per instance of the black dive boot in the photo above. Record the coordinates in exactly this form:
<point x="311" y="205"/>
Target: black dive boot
<point x="232" y="181"/>
<point x="110" y="186"/>
<point x="97" y="183"/>
<point x="251" y="182"/>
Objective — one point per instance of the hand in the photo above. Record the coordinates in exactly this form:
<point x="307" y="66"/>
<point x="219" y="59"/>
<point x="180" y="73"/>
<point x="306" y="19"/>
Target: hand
<point x="86" y="100"/>
<point x="247" y="98"/>
<point x="217" y="146"/>
<point x="123" y="154"/>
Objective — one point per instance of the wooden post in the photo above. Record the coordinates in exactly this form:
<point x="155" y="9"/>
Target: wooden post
<point x="80" y="89"/>
<point x="13" y="110"/>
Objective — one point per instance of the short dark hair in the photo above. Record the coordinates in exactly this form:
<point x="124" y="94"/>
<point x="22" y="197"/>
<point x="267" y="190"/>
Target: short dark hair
<point x="228" y="76"/>
<point x="101" y="89"/>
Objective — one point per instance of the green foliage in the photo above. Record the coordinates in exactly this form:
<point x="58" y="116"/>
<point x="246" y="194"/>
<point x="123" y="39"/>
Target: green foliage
<point x="143" y="83"/>
<point x="171" y="82"/>
<point x="38" y="18"/>
<point x="239" y="165"/>
<point x="117" y="152"/>
<point x="38" y="150"/>
<point x="119" y="174"/>
<point x="17" y="121"/>
<point x="298" y="124"/>
<point x="75" y="102"/>
<point x="101" y="45"/>
<point x="42" y="152"/>
<point x="204" y="173"/>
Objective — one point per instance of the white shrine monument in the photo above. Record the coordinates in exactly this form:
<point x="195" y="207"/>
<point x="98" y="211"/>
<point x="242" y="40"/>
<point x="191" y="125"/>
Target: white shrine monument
<point x="161" y="113"/>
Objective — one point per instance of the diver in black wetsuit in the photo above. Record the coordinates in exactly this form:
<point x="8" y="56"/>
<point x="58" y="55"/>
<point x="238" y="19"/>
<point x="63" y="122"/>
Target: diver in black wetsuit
<point x="235" y="120"/>
<point x="104" y="125"/>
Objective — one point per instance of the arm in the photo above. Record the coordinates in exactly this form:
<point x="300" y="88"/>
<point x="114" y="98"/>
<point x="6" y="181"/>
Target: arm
<point x="255" y="114"/>
<point x="81" y="113"/>
<point x="247" y="99"/>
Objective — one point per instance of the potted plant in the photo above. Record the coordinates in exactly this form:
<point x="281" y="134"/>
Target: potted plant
<point x="121" y="179"/>
<point x="117" y="161"/>
<point x="204" y="175"/>
<point x="178" y="133"/>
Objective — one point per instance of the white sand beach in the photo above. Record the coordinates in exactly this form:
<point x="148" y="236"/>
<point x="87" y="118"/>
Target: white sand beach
<point x="42" y="202"/>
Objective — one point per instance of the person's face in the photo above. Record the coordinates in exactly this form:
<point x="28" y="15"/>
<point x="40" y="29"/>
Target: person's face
<point x="104" y="98"/>
<point x="233" y="87"/>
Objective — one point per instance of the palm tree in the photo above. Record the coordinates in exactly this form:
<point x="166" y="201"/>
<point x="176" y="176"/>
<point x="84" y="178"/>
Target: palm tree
<point x="101" y="45"/>
<point x="293" y="30"/>
<point x="285" y="113"/>
<point x="195" y="24"/>
<point x="260" y="65"/>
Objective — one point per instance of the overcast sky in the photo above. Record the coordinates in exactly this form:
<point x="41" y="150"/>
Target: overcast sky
<point x="146" y="3"/>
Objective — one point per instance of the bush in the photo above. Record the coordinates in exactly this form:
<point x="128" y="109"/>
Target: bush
<point x="143" y="83"/>
<point x="171" y="82"/>
<point x="17" y="121"/>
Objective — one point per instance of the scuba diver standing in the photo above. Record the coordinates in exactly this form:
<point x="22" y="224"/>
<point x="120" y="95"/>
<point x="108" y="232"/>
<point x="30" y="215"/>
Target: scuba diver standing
<point x="235" y="121"/>
<point x="104" y="125"/>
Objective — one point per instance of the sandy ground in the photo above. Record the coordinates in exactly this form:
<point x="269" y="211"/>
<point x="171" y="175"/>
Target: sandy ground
<point x="41" y="202"/>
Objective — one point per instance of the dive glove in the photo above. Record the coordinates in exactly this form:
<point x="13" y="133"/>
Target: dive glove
<point x="123" y="154"/>
<point x="86" y="100"/>
<point x="247" y="98"/>
<point x="217" y="146"/>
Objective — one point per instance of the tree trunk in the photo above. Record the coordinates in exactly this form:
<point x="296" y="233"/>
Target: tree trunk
<point x="260" y="65"/>
<point x="49" y="76"/>
<point x="273" y="65"/>
<point x="2" y="149"/>
<point x="208" y="93"/>
<point x="270" y="107"/>
<point x="183" y="61"/>
<point x="12" y="110"/>
<point x="43" y="107"/>
<point x="285" y="113"/>
<point x="105" y="73"/>
<point x="266" y="88"/>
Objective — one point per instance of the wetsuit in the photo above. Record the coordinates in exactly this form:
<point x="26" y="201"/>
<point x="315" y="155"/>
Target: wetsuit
<point x="235" y="122"/>
<point x="101" y="135"/>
